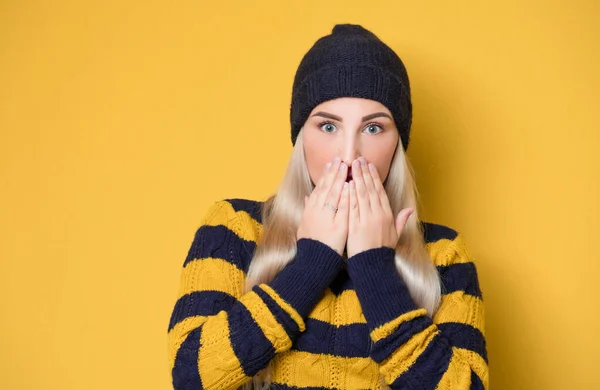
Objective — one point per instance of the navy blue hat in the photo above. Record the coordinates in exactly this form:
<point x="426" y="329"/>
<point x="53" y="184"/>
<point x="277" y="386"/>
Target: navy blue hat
<point x="351" y="62"/>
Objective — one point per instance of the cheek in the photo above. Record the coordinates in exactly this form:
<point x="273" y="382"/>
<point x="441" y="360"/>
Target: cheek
<point x="315" y="162"/>
<point x="382" y="162"/>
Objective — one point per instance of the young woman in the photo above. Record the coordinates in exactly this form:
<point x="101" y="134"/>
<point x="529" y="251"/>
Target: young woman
<point x="333" y="282"/>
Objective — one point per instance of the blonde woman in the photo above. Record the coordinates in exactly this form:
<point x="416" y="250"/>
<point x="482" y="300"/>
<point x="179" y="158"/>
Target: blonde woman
<point x="333" y="282"/>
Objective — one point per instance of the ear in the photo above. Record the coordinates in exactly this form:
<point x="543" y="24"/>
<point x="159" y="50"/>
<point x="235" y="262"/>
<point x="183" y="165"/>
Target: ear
<point x="401" y="220"/>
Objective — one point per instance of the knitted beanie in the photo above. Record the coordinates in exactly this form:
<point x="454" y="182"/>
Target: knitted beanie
<point x="351" y="62"/>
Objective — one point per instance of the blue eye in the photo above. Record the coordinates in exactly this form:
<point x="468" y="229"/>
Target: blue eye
<point x="326" y="123"/>
<point x="372" y="125"/>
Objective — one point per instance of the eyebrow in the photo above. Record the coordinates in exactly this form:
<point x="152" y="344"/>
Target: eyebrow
<point x="364" y="118"/>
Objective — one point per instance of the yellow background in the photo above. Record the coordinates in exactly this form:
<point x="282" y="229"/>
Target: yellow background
<point x="122" y="121"/>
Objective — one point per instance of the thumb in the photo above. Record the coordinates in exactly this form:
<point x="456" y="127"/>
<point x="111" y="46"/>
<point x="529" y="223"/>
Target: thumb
<point x="402" y="218"/>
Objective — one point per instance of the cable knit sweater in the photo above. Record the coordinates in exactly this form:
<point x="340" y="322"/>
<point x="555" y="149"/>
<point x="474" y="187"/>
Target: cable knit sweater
<point x="323" y="325"/>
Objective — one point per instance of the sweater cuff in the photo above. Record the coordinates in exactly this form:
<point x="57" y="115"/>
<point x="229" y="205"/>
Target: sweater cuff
<point x="302" y="281"/>
<point x="381" y="290"/>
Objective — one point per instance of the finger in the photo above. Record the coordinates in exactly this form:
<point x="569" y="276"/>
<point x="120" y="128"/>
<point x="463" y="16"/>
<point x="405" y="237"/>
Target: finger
<point x="402" y="218"/>
<point x="361" y="191"/>
<point x="369" y="185"/>
<point x="323" y="190"/>
<point x="342" y="214"/>
<point x="380" y="189"/>
<point x="333" y="197"/>
<point x="354" y="212"/>
<point x="314" y="194"/>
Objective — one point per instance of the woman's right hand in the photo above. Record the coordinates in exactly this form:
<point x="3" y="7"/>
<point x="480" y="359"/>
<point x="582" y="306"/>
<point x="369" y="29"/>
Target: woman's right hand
<point x="320" y="222"/>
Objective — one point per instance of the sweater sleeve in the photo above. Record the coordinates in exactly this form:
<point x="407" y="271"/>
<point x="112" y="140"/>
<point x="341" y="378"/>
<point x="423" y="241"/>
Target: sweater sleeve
<point x="413" y="350"/>
<point x="218" y="336"/>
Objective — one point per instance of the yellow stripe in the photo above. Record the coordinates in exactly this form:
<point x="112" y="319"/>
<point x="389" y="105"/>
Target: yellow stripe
<point x="457" y="375"/>
<point x="461" y="307"/>
<point x="252" y="229"/>
<point x="266" y="321"/>
<point x="211" y="274"/>
<point x="407" y="354"/>
<point x="285" y="306"/>
<point x="446" y="252"/>
<point x="350" y="313"/>
<point x="304" y="369"/>
<point x="386" y="329"/>
<point x="178" y="334"/>
<point x="477" y="364"/>
<point x="239" y="222"/>
<point x="438" y="250"/>
<point x="218" y="365"/>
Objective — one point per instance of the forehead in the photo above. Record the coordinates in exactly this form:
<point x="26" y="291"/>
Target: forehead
<point x="351" y="105"/>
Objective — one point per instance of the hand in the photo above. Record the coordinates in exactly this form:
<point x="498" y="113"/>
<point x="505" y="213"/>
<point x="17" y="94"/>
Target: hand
<point x="320" y="222"/>
<point x="371" y="221"/>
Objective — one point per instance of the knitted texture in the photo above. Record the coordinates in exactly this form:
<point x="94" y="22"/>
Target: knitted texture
<point x="322" y="325"/>
<point x="351" y="62"/>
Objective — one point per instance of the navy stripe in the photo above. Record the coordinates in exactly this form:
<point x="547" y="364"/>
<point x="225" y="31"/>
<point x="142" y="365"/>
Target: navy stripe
<point x="221" y="242"/>
<point x="465" y="336"/>
<point x="252" y="207"/>
<point x="384" y="348"/>
<point x="433" y="232"/>
<point x="460" y="277"/>
<point x="185" y="372"/>
<point x="200" y="303"/>
<point x="346" y="340"/>
<point x="427" y="371"/>
<point x="253" y="349"/>
<point x="282" y="317"/>
<point x="476" y="383"/>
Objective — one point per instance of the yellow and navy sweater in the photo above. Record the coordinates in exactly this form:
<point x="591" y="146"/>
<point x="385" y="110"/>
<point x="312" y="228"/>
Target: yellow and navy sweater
<point x="322" y="325"/>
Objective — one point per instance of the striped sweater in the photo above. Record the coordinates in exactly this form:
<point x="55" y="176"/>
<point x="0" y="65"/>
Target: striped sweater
<point x="322" y="324"/>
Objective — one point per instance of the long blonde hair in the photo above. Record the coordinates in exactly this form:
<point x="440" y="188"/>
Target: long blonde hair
<point x="281" y="214"/>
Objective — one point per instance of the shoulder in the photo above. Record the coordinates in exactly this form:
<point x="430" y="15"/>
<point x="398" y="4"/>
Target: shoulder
<point x="228" y="231"/>
<point x="433" y="232"/>
<point x="242" y="216"/>
<point x="251" y="207"/>
<point x="445" y="245"/>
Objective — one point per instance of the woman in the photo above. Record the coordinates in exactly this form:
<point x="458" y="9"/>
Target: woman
<point x="333" y="282"/>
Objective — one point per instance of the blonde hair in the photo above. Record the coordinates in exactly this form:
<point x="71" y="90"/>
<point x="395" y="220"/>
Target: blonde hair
<point x="281" y="216"/>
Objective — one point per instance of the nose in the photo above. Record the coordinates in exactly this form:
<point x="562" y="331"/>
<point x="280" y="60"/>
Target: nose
<point x="349" y="152"/>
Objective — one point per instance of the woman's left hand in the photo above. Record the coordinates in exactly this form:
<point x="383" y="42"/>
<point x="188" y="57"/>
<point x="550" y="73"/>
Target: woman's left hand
<point x="371" y="221"/>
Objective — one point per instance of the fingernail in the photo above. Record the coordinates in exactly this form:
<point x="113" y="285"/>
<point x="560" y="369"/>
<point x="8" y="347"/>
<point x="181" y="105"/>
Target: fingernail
<point x="328" y="165"/>
<point x="345" y="186"/>
<point x="342" y="166"/>
<point x="337" y="159"/>
<point x="363" y="161"/>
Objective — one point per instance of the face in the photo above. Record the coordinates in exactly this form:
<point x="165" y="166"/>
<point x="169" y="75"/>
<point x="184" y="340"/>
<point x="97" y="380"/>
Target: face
<point x="349" y="128"/>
